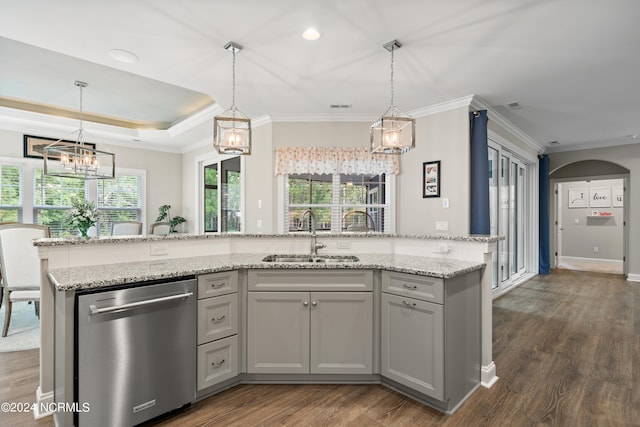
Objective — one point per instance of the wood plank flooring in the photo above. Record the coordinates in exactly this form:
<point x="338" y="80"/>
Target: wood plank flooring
<point x="566" y="345"/>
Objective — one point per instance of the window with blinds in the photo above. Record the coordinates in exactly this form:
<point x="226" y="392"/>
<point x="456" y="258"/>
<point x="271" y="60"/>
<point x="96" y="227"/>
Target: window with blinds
<point x="118" y="199"/>
<point x="10" y="193"/>
<point x="52" y="200"/>
<point x="340" y="202"/>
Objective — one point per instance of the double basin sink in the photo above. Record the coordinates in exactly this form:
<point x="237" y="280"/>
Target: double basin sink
<point x="313" y="259"/>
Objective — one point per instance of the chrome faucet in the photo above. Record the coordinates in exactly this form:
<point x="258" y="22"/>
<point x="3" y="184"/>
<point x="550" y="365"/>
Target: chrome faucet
<point x="312" y="229"/>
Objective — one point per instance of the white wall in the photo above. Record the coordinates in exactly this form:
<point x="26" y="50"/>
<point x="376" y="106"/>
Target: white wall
<point x="580" y="234"/>
<point x="164" y="170"/>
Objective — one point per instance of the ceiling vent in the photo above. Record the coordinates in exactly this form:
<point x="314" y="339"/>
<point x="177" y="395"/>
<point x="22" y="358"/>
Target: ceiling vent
<point x="340" y="106"/>
<point x="514" y="105"/>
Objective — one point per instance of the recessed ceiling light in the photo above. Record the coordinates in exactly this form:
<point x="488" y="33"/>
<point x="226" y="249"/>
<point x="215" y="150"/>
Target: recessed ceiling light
<point x="311" y="34"/>
<point x="124" y="56"/>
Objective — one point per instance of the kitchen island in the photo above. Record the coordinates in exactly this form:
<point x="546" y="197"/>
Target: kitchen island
<point x="172" y="257"/>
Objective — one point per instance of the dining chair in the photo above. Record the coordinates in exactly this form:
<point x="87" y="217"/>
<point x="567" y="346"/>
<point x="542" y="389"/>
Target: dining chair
<point x="159" y="228"/>
<point x="20" y="266"/>
<point x="126" y="228"/>
<point x="1" y="282"/>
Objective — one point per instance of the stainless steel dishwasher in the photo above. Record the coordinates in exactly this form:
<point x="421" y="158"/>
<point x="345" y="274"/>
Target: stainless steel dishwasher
<point x="135" y="352"/>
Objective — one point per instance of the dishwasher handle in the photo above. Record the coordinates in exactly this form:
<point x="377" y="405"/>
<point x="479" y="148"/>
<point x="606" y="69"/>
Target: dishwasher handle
<point x="95" y="310"/>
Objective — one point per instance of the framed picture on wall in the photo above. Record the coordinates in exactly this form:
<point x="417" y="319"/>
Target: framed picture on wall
<point x="600" y="197"/>
<point x="617" y="198"/>
<point x="578" y="198"/>
<point x="431" y="179"/>
<point x="33" y="146"/>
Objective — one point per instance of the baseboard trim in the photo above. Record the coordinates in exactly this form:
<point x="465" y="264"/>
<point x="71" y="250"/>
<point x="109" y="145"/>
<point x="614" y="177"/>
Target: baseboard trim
<point x="44" y="404"/>
<point x="488" y="375"/>
<point x="611" y="262"/>
<point x="633" y="277"/>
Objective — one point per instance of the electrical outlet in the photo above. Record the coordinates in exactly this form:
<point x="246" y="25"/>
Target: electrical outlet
<point x="344" y="245"/>
<point x="596" y="249"/>
<point x="576" y="221"/>
<point x="259" y="223"/>
<point x="442" y="225"/>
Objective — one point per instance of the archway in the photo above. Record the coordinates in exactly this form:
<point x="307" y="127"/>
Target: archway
<point x="594" y="223"/>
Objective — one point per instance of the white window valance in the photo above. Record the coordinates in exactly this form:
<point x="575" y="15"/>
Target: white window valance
<point x="316" y="160"/>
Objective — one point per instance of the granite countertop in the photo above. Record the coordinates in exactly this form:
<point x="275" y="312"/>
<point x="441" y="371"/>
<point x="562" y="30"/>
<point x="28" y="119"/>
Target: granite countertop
<point x="98" y="276"/>
<point x="68" y="241"/>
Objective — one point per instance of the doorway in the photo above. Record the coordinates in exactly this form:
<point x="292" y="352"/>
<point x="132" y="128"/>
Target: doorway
<point x="590" y="230"/>
<point x="597" y="207"/>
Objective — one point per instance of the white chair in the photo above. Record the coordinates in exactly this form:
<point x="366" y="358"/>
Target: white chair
<point x="159" y="228"/>
<point x="20" y="266"/>
<point x="126" y="228"/>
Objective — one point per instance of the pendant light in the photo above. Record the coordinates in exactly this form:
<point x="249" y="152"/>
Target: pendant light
<point x="78" y="158"/>
<point x="395" y="131"/>
<point x="232" y="129"/>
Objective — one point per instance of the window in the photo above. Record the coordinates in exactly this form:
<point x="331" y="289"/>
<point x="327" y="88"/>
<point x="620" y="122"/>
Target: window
<point x="118" y="199"/>
<point x="222" y="196"/>
<point x="52" y="200"/>
<point x="10" y="193"/>
<point x="341" y="202"/>
<point x="348" y="189"/>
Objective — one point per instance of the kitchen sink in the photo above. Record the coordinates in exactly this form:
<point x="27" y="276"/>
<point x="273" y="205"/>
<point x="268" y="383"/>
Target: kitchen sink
<point x="334" y="259"/>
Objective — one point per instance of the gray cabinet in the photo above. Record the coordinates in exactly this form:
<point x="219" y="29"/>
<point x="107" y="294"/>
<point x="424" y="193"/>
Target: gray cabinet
<point x="430" y="335"/>
<point x="301" y="331"/>
<point x="217" y="353"/>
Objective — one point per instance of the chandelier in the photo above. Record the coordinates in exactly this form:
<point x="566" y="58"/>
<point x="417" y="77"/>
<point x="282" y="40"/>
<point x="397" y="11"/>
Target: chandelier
<point x="395" y="131"/>
<point x="78" y="158"/>
<point x="232" y="129"/>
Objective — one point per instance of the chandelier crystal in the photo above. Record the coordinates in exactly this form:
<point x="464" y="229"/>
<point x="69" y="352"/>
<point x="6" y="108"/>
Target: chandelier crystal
<point x="232" y="129"/>
<point x="395" y="131"/>
<point x="78" y="158"/>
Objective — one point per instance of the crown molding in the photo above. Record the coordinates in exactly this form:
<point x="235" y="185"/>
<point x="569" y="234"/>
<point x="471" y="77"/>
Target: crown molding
<point x="441" y="107"/>
<point x="480" y="104"/>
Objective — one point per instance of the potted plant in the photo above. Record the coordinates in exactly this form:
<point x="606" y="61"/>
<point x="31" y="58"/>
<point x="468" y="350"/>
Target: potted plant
<point x="164" y="214"/>
<point x="82" y="216"/>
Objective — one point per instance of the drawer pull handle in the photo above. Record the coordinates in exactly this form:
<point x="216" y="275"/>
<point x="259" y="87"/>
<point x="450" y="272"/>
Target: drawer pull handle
<point x="218" y="319"/>
<point x="218" y="285"/>
<point x="218" y="364"/>
<point x="410" y="304"/>
<point x="410" y="286"/>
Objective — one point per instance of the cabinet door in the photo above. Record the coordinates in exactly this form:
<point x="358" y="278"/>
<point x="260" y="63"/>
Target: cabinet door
<point x="341" y="333"/>
<point x="413" y="344"/>
<point x="278" y="332"/>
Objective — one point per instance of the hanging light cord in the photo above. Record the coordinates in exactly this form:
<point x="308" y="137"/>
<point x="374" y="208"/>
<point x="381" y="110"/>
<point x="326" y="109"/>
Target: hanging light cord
<point x="233" y="84"/>
<point x="392" y="50"/>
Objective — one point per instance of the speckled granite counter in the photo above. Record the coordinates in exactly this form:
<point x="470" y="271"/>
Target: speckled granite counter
<point x="66" y="241"/>
<point x="98" y="276"/>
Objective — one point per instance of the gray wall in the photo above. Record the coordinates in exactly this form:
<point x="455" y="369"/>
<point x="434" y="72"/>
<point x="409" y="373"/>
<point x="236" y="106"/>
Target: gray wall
<point x="580" y="234"/>
<point x="627" y="156"/>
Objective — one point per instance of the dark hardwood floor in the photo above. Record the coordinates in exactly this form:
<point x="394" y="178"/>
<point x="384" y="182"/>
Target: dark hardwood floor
<point x="566" y="345"/>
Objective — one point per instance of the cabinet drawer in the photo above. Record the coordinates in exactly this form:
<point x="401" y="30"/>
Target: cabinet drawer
<point x="420" y="287"/>
<point x="213" y="284"/>
<point x="217" y="318"/>
<point x="310" y="280"/>
<point x="217" y="361"/>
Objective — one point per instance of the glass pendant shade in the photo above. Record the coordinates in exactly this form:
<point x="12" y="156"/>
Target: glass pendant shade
<point x="232" y="129"/>
<point x="232" y="132"/>
<point x="73" y="157"/>
<point x="393" y="133"/>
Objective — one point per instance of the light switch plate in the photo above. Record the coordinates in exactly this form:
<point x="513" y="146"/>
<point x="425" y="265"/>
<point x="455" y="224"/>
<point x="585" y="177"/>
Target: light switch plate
<point x="445" y="202"/>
